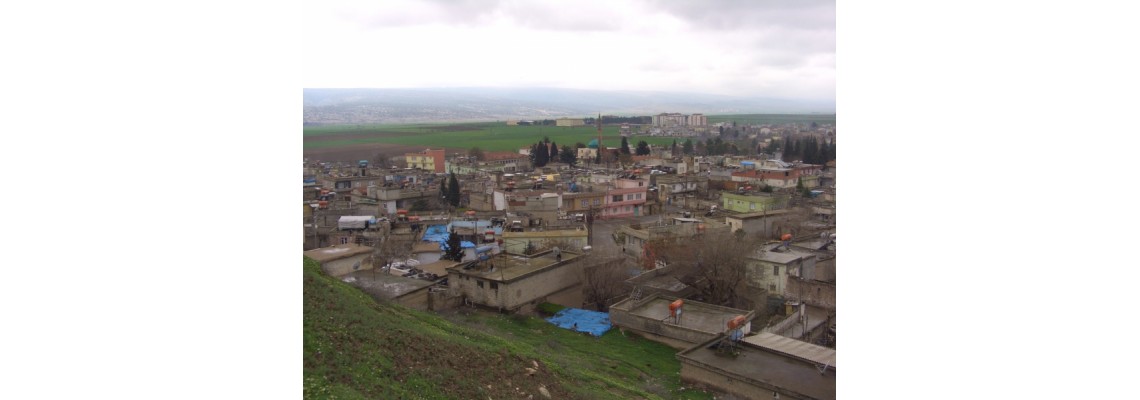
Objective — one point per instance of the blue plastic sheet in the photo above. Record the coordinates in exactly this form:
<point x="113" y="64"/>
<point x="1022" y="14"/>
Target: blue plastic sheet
<point x="576" y="319"/>
<point x="436" y="233"/>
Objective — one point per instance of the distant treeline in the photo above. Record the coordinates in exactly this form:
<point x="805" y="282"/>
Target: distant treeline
<point x="606" y="119"/>
<point x="611" y="119"/>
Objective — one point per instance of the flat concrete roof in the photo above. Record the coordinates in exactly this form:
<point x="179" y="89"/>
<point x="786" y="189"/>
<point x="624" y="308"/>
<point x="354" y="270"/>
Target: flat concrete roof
<point x="508" y="266"/>
<point x="337" y="252"/>
<point x="739" y="215"/>
<point x="380" y="284"/>
<point x="547" y="233"/>
<point x="439" y="267"/>
<point x="816" y="316"/>
<point x="793" y="347"/>
<point x="772" y="368"/>
<point x="778" y="258"/>
<point x="694" y="315"/>
<point x="661" y="281"/>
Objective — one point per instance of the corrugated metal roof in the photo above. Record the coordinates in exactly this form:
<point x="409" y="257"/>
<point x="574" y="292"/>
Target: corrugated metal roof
<point x="794" y="348"/>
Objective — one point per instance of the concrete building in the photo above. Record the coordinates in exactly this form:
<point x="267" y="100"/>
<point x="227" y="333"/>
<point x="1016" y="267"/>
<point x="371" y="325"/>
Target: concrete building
<point x="569" y="122"/>
<point x="582" y="202"/>
<point x="762" y="367"/>
<point x="669" y="119"/>
<point x="752" y="202"/>
<point x="764" y="223"/>
<point x="575" y="236"/>
<point x="698" y="120"/>
<point x="770" y="269"/>
<point x="698" y="322"/>
<point x="587" y="154"/>
<point x="540" y="206"/>
<point x="633" y="238"/>
<point x="625" y="199"/>
<point x="342" y="259"/>
<point x="513" y="283"/>
<point x="403" y="285"/>
<point x="670" y="186"/>
<point x="427" y="160"/>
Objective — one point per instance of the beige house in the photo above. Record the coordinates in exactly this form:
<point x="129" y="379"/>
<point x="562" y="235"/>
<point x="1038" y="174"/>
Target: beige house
<point x="509" y="282"/>
<point x="342" y="259"/>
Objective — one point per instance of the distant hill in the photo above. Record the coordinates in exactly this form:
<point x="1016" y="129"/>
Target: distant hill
<point x="363" y="106"/>
<point x="356" y="347"/>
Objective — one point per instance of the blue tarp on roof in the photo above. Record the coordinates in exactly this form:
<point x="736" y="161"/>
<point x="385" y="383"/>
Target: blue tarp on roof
<point x="436" y="233"/>
<point x="592" y="322"/>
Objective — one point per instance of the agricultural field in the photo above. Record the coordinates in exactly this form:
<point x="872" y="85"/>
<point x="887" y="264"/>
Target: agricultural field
<point x="331" y="142"/>
<point x="762" y="119"/>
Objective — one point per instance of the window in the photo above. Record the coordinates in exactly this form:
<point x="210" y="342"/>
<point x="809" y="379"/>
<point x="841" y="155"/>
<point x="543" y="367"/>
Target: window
<point x="597" y="202"/>
<point x="776" y="270"/>
<point x="751" y="206"/>
<point x="480" y="283"/>
<point x="639" y="196"/>
<point x="343" y="240"/>
<point x="772" y="288"/>
<point x="586" y="203"/>
<point x="495" y="285"/>
<point x="617" y="198"/>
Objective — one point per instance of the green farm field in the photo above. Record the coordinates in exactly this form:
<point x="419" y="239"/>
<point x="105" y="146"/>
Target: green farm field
<point x="488" y="136"/>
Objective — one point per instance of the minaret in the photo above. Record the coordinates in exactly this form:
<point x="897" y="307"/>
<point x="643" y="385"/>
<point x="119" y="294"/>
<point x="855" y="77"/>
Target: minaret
<point x="598" y="123"/>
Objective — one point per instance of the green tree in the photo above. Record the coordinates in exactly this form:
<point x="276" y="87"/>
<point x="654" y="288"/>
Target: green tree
<point x="687" y="147"/>
<point x="673" y="149"/>
<point x="642" y="148"/>
<point x="477" y="153"/>
<point x="541" y="156"/>
<point x="568" y="155"/>
<point x="624" y="145"/>
<point x="554" y="152"/>
<point x="453" y="190"/>
<point x="420" y="205"/>
<point x="454" y="250"/>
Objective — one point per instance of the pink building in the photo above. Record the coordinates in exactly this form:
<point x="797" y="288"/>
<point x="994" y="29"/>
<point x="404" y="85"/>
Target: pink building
<point x="625" y="199"/>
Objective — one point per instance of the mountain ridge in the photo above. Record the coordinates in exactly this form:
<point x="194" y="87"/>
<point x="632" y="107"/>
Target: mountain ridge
<point x="365" y="105"/>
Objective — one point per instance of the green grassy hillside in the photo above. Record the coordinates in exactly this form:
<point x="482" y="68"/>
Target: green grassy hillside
<point x="355" y="347"/>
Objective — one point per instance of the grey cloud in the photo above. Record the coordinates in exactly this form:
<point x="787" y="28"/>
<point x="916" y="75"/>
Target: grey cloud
<point x="738" y="14"/>
<point x="539" y="16"/>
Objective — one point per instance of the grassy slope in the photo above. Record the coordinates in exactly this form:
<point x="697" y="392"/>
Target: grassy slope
<point x="488" y="136"/>
<point x="355" y="347"/>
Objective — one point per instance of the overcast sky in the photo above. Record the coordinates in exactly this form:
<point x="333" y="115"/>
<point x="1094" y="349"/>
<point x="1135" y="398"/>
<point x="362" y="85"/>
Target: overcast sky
<point x="761" y="48"/>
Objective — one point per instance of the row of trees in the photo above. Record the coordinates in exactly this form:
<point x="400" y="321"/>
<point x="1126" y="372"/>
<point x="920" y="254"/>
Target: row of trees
<point x="808" y="149"/>
<point x="642" y="147"/>
<point x="449" y="191"/>
<point x="546" y="151"/>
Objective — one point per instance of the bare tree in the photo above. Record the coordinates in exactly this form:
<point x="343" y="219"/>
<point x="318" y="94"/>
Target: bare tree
<point x="604" y="279"/>
<point x="382" y="160"/>
<point x="714" y="264"/>
<point x="391" y="250"/>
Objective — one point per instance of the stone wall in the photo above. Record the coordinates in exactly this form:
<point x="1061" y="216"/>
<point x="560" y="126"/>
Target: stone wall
<point x="812" y="292"/>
